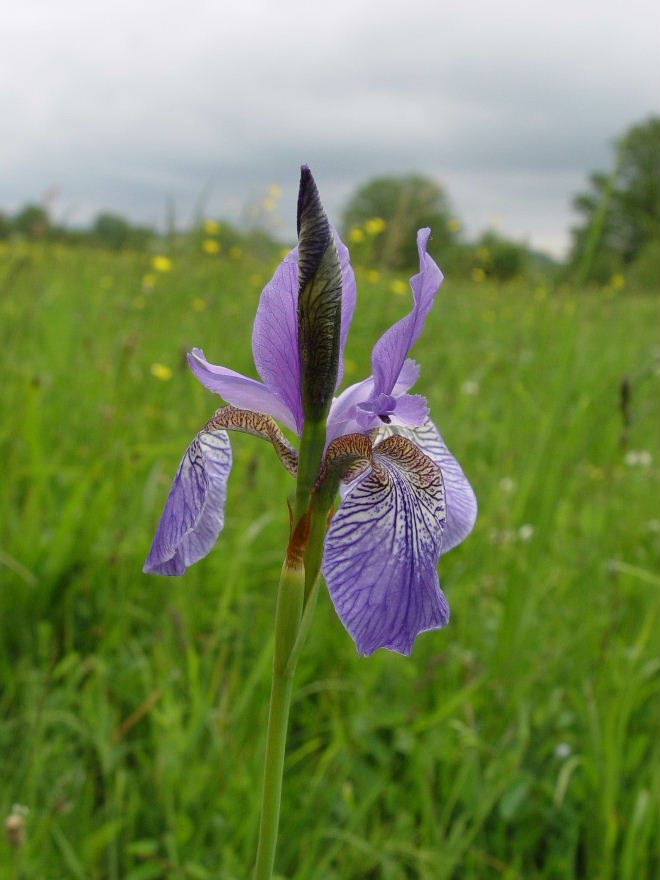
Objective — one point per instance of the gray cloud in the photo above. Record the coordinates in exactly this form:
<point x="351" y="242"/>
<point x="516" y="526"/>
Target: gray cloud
<point x="510" y="105"/>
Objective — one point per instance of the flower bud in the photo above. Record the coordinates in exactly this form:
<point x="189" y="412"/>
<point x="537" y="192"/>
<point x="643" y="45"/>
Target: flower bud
<point x="319" y="302"/>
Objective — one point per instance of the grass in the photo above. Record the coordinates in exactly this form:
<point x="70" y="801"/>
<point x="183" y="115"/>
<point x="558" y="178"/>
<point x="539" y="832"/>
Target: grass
<point x="520" y="742"/>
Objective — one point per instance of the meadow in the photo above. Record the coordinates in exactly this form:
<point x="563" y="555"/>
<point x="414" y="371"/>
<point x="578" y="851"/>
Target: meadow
<point x="519" y="742"/>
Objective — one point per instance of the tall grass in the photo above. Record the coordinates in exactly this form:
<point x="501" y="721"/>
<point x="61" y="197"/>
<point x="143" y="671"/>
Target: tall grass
<point x="520" y="742"/>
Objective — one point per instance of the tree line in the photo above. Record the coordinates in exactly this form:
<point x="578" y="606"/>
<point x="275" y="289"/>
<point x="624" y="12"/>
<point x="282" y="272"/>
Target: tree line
<point x="617" y="228"/>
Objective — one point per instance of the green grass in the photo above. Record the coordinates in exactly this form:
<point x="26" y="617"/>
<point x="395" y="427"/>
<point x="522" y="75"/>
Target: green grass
<point x="520" y="742"/>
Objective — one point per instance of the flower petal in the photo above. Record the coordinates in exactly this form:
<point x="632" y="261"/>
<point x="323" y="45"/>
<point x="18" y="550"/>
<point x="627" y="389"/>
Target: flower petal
<point x="382" y="549"/>
<point x="391" y="350"/>
<point x="194" y="513"/>
<point x="460" y="497"/>
<point x="239" y="390"/>
<point x="348" y="298"/>
<point x="275" y="337"/>
<point x="275" y="330"/>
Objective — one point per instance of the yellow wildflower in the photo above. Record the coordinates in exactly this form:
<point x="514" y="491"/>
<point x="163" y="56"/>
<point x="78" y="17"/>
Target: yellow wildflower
<point x="618" y="281"/>
<point x="161" y="371"/>
<point x="375" y="225"/>
<point x="162" y="263"/>
<point x="198" y="304"/>
<point x="274" y="191"/>
<point x="211" y="227"/>
<point x="211" y="246"/>
<point x="399" y="287"/>
<point x="373" y="275"/>
<point x="269" y="204"/>
<point x="356" y="235"/>
<point x="478" y="275"/>
<point x="454" y="225"/>
<point x="235" y="252"/>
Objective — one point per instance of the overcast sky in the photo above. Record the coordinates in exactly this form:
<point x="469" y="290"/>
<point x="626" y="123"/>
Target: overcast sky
<point x="508" y="104"/>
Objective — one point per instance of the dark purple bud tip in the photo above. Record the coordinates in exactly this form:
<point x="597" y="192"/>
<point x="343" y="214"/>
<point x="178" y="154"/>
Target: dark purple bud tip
<point x="319" y="301"/>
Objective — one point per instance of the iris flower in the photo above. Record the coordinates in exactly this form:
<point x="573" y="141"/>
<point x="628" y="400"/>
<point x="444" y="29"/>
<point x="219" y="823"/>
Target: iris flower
<point x="404" y="497"/>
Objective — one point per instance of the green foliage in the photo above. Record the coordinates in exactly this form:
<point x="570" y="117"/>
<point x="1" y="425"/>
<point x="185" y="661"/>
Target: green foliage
<point x="621" y="211"/>
<point x="32" y="221"/>
<point x="499" y="258"/>
<point x="402" y="205"/>
<point x="519" y="742"/>
<point x="115" y="232"/>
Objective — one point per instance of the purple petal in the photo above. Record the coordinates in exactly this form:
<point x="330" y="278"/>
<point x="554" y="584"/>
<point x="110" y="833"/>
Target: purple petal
<point x="239" y="390"/>
<point x="410" y="409"/>
<point x="391" y="350"/>
<point x="275" y="331"/>
<point x="348" y="297"/>
<point x="275" y="337"/>
<point x="407" y="377"/>
<point x="195" y="508"/>
<point x="342" y="415"/>
<point x="460" y="497"/>
<point x="382" y="549"/>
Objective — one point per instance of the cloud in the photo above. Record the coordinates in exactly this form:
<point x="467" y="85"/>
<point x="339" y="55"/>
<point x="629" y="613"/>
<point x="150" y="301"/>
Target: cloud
<point x="510" y="105"/>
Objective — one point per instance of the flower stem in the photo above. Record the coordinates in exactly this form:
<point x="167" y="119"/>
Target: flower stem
<point x="289" y="610"/>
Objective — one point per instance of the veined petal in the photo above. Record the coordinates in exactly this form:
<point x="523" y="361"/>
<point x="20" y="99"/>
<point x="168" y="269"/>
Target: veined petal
<point x="239" y="390"/>
<point x="460" y="497"/>
<point x="382" y="549"/>
<point x="194" y="512"/>
<point x="391" y="350"/>
<point x="275" y="337"/>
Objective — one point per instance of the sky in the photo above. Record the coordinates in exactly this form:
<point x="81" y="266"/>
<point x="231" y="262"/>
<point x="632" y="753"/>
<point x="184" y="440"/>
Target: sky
<point x="135" y="105"/>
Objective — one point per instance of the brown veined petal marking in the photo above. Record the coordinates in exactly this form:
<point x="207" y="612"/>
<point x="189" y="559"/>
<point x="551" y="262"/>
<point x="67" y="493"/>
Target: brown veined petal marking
<point x="230" y="418"/>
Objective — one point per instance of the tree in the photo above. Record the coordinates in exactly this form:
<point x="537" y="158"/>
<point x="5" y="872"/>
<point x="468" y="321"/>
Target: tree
<point x="621" y="211"/>
<point x="387" y="212"/>
<point x="32" y="220"/>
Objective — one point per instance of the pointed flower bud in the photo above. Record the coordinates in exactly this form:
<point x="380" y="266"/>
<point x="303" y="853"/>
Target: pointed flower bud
<point x="319" y="302"/>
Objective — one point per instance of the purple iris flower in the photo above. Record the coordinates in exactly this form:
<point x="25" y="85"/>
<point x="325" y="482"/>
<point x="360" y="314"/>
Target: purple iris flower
<point x="405" y="499"/>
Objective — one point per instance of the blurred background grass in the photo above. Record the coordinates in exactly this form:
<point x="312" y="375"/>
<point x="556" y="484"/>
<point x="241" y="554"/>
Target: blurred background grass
<point x="519" y="742"/>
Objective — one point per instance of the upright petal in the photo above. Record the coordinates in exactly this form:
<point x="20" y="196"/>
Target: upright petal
<point x="460" y="497"/>
<point x="275" y="330"/>
<point x="382" y="549"/>
<point x="239" y="390"/>
<point x="348" y="298"/>
<point x="275" y="337"/>
<point x="391" y="350"/>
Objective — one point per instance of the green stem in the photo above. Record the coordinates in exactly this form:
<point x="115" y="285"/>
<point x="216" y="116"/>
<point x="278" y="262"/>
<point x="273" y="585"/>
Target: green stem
<point x="312" y="443"/>
<point x="289" y="610"/>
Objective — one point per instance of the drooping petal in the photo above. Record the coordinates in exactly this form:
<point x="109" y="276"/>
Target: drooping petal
<point x="391" y="350"/>
<point x="194" y="512"/>
<point x="460" y="497"/>
<point x="382" y="549"/>
<point x="239" y="390"/>
<point x="275" y="337"/>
